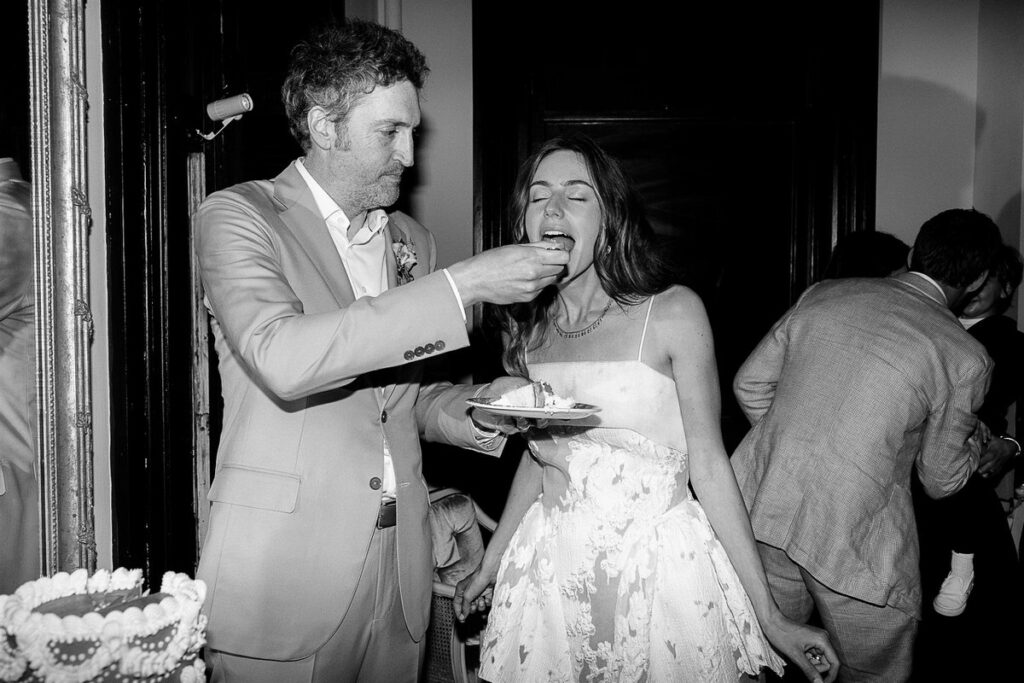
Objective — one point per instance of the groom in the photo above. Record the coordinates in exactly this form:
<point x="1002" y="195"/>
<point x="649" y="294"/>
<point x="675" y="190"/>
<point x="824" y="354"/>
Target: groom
<point x="318" y="559"/>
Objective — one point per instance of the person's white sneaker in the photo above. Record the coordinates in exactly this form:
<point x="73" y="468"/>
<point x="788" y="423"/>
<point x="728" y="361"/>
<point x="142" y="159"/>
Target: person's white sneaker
<point x="952" y="597"/>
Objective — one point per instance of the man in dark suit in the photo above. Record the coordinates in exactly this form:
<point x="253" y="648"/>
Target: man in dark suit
<point x="969" y="573"/>
<point x="860" y="382"/>
<point x="318" y="558"/>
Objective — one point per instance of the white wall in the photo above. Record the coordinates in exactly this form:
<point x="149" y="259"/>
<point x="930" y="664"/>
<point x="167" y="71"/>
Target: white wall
<point x="442" y="198"/>
<point x="1000" y="132"/>
<point x="927" y="100"/>
<point x="950" y="112"/>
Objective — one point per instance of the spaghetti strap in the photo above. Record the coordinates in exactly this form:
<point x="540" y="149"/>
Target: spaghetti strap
<point x="650" y="305"/>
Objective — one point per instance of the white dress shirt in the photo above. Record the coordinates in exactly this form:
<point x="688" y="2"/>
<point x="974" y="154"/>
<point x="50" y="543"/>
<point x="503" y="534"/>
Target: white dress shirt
<point x="364" y="259"/>
<point x="364" y="256"/>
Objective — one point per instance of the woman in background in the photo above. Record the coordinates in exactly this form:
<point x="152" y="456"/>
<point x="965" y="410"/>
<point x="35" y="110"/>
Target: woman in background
<point x="604" y="567"/>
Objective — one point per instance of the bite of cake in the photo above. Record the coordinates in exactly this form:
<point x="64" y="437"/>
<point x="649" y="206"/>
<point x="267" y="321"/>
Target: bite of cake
<point x="534" y="395"/>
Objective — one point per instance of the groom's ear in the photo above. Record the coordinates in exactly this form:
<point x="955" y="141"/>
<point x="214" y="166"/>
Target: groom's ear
<point x="322" y="130"/>
<point x="977" y="284"/>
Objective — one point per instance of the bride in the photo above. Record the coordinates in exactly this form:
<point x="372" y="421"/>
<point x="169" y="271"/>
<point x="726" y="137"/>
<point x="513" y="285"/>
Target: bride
<point x="604" y="567"/>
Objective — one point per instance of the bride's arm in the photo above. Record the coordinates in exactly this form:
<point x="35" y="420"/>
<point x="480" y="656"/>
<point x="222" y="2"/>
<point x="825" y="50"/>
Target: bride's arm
<point x="470" y="594"/>
<point x="682" y="329"/>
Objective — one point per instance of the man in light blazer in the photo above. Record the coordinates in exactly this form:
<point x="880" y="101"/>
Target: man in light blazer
<point x="861" y="381"/>
<point x="318" y="560"/>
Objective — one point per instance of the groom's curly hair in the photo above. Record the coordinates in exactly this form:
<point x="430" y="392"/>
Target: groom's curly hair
<point x="343" y="63"/>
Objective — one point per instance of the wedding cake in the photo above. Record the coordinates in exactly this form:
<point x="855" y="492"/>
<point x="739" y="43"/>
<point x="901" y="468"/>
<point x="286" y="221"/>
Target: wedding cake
<point x="76" y="628"/>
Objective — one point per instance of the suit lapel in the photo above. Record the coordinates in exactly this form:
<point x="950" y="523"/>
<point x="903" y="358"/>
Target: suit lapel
<point x="299" y="213"/>
<point x="395" y="234"/>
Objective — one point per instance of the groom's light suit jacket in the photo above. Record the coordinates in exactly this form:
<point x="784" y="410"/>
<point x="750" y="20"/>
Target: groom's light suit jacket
<point x="314" y="382"/>
<point x="861" y="381"/>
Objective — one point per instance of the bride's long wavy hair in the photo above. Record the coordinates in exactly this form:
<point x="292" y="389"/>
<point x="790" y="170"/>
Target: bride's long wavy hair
<point x="627" y="263"/>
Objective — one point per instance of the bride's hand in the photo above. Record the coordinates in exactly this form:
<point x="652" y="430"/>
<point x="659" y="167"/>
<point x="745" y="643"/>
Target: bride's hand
<point x="473" y="594"/>
<point x="806" y="647"/>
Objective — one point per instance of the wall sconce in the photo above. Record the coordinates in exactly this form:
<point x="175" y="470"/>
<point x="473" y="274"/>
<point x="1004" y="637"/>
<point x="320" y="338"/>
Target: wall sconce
<point x="227" y="110"/>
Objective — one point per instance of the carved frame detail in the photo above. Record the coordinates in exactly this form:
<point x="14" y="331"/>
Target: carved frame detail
<point x="61" y="218"/>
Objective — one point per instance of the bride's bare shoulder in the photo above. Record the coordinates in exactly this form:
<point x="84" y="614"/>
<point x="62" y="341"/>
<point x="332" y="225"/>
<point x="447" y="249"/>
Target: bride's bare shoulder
<point x="678" y="304"/>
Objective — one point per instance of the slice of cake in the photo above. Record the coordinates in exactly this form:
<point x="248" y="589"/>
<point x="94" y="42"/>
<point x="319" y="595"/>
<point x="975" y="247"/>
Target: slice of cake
<point x="534" y="395"/>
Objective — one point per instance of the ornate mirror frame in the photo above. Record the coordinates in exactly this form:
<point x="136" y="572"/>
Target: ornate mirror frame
<point x="61" y="218"/>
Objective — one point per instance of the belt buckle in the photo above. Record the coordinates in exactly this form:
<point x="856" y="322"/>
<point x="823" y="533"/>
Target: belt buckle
<point x="386" y="517"/>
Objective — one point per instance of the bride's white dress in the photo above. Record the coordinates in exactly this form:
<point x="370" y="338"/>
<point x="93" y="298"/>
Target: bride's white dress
<point x="614" y="573"/>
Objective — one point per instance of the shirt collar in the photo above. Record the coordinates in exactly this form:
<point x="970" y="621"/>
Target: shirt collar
<point x="935" y="283"/>
<point x="332" y="213"/>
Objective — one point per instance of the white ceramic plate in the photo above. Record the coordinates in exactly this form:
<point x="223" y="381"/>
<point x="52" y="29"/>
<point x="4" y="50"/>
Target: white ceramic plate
<point x="578" y="411"/>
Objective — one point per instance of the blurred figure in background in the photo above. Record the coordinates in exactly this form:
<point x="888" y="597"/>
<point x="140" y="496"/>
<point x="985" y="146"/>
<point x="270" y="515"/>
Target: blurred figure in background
<point x="867" y="254"/>
<point x="19" y="514"/>
<point x="967" y="533"/>
<point x="859" y="383"/>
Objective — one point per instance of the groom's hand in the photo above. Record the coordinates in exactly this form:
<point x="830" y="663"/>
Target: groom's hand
<point x="510" y="274"/>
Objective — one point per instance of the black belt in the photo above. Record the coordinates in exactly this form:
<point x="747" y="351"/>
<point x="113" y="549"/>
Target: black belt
<point x="387" y="515"/>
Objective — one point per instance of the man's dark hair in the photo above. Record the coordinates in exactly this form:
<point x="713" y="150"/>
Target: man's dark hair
<point x="867" y="254"/>
<point x="1008" y="270"/>
<point x="340" y="65"/>
<point x="956" y="246"/>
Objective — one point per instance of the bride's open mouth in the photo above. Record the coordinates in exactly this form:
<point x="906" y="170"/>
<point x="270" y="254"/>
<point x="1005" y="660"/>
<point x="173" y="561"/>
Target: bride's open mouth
<point x="564" y="242"/>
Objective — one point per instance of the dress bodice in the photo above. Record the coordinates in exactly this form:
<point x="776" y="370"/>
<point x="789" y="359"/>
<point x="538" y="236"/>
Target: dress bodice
<point x="631" y="395"/>
<point x="633" y="451"/>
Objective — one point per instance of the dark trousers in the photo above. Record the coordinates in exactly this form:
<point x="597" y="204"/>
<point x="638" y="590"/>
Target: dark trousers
<point x="979" y="644"/>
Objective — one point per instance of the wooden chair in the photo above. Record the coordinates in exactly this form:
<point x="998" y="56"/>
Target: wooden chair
<point x="457" y="523"/>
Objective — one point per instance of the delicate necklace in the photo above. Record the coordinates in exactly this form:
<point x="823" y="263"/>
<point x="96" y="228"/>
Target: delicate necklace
<point x="576" y="334"/>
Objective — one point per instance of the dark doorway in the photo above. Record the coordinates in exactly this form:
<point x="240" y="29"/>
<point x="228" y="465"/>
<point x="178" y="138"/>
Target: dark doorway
<point x="163" y="64"/>
<point x="749" y="129"/>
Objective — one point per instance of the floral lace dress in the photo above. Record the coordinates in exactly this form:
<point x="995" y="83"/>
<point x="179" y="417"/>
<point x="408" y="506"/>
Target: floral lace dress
<point x="614" y="573"/>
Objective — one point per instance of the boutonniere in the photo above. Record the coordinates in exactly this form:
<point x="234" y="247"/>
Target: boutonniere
<point x="405" y="259"/>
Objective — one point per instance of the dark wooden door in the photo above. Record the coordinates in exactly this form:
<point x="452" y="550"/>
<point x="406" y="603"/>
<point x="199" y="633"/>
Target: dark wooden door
<point x="749" y="129"/>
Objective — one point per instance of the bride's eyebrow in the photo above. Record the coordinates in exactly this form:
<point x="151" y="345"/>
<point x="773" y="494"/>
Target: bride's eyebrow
<point x="567" y="183"/>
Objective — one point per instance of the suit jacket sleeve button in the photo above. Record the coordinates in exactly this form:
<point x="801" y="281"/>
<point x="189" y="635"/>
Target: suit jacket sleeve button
<point x="376" y="483"/>
<point x="439" y="345"/>
<point x="429" y="348"/>
<point x="409" y="355"/>
<point x="419" y="351"/>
